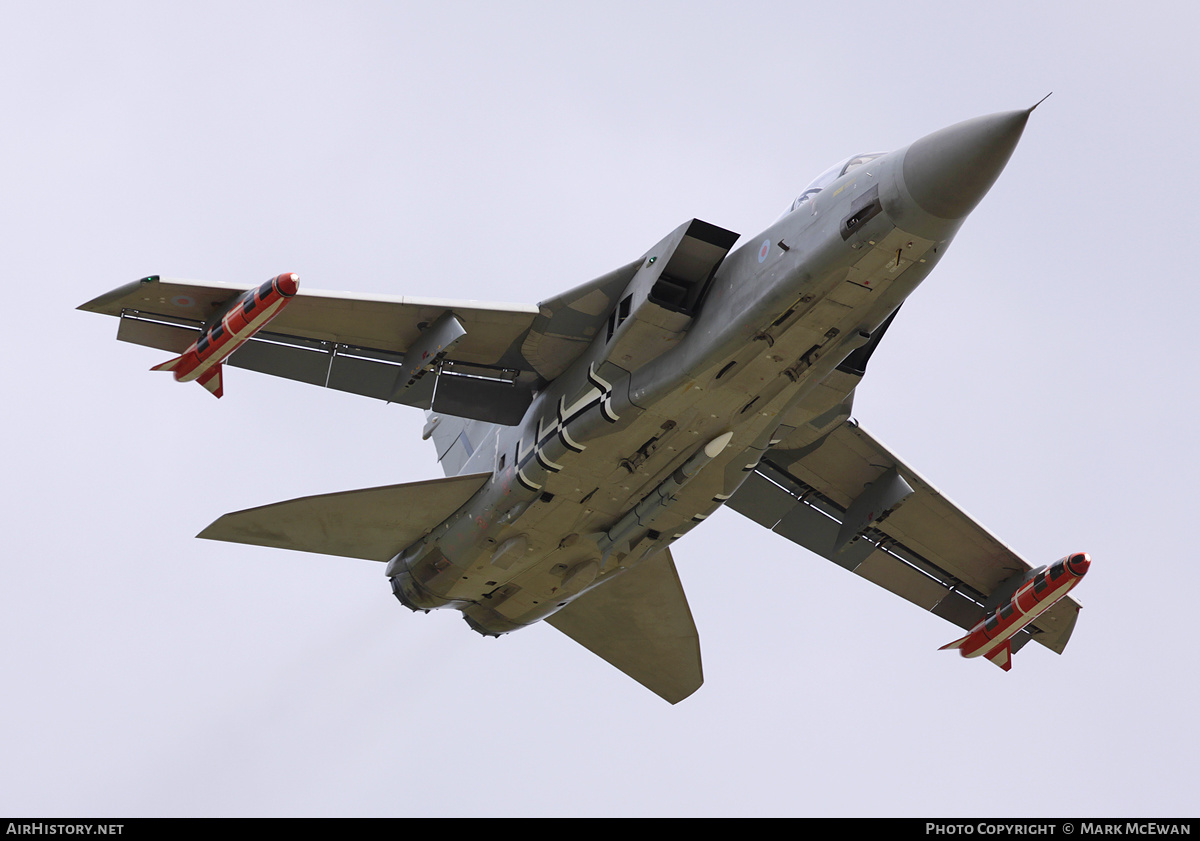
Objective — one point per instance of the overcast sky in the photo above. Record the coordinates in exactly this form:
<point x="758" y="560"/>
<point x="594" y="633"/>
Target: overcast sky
<point x="1043" y="377"/>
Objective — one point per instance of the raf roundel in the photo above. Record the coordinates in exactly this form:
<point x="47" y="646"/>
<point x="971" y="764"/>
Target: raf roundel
<point x="764" y="250"/>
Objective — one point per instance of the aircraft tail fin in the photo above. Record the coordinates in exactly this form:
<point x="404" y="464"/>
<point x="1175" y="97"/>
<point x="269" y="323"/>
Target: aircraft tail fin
<point x="640" y="622"/>
<point x="371" y="523"/>
<point x="456" y="439"/>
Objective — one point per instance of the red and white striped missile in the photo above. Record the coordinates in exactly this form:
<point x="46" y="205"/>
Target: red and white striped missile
<point x="992" y="637"/>
<point x="244" y="316"/>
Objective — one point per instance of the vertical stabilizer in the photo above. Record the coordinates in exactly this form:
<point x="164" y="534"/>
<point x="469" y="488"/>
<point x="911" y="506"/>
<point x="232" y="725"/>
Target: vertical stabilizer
<point x="456" y="440"/>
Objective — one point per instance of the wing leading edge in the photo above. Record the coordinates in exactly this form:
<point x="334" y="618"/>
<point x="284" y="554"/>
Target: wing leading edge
<point x="849" y="499"/>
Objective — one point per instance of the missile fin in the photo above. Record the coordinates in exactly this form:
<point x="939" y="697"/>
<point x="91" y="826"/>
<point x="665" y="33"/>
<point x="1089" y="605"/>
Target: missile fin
<point x="212" y="381"/>
<point x="1002" y="656"/>
<point x="956" y="644"/>
<point x="169" y="365"/>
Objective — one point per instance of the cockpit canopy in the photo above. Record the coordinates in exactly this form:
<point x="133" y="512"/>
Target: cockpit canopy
<point x="832" y="174"/>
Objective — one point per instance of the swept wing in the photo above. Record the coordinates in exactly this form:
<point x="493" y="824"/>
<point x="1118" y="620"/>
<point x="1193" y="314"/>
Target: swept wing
<point x="851" y="500"/>
<point x="497" y="355"/>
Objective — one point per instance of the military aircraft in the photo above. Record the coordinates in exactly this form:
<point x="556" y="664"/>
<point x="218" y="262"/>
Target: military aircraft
<point x="582" y="437"/>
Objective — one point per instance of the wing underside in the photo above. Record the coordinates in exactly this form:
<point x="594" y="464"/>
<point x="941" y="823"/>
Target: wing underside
<point x="849" y="499"/>
<point x="361" y="343"/>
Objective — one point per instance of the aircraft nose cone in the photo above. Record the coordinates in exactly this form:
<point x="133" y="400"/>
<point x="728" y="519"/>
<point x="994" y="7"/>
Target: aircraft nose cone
<point x="949" y="171"/>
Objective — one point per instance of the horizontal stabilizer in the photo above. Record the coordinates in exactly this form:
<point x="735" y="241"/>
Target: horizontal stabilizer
<point x="371" y="523"/>
<point x="641" y="623"/>
<point x="169" y="365"/>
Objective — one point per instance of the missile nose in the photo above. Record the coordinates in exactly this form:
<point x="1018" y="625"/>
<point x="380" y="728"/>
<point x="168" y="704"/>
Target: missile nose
<point x="949" y="171"/>
<point x="287" y="284"/>
<point x="1079" y="563"/>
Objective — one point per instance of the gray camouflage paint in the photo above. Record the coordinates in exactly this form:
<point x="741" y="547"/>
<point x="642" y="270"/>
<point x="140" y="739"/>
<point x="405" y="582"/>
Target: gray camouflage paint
<point x="757" y="357"/>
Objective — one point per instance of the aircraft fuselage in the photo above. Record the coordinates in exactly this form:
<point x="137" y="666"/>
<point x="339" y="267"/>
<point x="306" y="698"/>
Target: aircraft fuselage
<point x="584" y="435"/>
<point x="583" y="490"/>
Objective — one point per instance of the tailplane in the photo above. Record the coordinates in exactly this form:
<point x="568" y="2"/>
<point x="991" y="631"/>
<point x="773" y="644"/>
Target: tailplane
<point x="371" y="523"/>
<point x="640" y="622"/>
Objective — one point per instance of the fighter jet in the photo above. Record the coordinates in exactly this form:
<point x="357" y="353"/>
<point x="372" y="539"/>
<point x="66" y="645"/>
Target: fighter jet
<point x="584" y="436"/>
